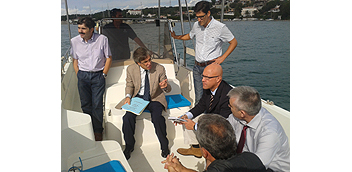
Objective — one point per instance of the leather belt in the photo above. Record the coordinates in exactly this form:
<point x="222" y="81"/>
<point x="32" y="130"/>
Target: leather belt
<point x="205" y="63"/>
<point x="94" y="71"/>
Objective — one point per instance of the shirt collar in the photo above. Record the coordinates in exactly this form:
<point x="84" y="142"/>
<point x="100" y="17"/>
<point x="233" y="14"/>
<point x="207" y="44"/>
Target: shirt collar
<point x="213" y="92"/>
<point x="256" y="120"/>
<point x="91" y="39"/>
<point x="211" y="21"/>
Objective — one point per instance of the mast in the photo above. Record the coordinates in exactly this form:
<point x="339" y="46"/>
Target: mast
<point x="68" y="22"/>
<point x="159" y="28"/>
<point x="183" y="32"/>
<point x="222" y="10"/>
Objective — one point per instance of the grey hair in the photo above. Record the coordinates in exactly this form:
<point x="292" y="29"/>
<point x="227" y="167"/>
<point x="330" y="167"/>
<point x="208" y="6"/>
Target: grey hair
<point x="247" y="99"/>
<point x="216" y="135"/>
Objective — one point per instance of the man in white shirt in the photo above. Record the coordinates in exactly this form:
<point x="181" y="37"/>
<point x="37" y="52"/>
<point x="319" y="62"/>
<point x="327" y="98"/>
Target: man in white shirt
<point x="263" y="134"/>
<point x="210" y="34"/>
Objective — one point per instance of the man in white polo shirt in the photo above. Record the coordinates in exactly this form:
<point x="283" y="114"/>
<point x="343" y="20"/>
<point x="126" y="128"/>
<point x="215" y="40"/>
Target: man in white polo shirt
<point x="210" y="34"/>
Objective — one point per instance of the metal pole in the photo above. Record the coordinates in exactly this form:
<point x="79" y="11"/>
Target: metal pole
<point x="159" y="30"/>
<point x="189" y="22"/>
<point x="183" y="32"/>
<point x="222" y="10"/>
<point x="68" y="22"/>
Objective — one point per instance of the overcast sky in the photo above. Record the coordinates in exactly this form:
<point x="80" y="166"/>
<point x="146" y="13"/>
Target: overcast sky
<point x="93" y="6"/>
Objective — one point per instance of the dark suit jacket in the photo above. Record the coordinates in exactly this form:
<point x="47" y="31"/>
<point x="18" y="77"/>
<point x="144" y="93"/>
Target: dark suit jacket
<point x="220" y="103"/>
<point x="243" y="162"/>
<point x="133" y="83"/>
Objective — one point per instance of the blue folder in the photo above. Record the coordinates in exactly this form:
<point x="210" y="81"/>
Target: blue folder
<point x="175" y="101"/>
<point x="112" y="166"/>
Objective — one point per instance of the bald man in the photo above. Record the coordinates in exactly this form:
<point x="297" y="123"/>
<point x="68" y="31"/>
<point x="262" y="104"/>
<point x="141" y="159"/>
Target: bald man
<point x="214" y="100"/>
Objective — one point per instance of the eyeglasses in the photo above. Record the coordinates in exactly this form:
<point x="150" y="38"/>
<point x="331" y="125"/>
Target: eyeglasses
<point x="209" y="77"/>
<point x="146" y="61"/>
<point x="201" y="17"/>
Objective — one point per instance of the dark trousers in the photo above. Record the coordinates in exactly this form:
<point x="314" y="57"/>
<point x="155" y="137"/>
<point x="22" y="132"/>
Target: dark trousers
<point x="91" y="88"/>
<point x="129" y="125"/>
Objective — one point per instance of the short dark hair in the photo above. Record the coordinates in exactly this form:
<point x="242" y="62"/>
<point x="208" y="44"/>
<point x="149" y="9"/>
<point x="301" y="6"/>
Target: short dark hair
<point x="203" y="6"/>
<point x="114" y="11"/>
<point x="140" y="54"/>
<point x="88" y="21"/>
<point x="216" y="135"/>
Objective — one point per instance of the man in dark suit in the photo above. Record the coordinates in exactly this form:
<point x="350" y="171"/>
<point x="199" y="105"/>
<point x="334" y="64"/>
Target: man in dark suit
<point x="214" y="100"/>
<point x="147" y="80"/>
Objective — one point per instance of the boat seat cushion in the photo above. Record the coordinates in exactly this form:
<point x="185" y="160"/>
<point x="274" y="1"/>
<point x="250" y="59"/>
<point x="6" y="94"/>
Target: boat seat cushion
<point x="175" y="101"/>
<point x="112" y="166"/>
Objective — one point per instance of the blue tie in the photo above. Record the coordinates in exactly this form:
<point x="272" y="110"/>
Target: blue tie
<point x="146" y="95"/>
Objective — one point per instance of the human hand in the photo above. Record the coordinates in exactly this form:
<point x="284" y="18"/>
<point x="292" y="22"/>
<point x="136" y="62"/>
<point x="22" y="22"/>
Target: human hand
<point x="163" y="84"/>
<point x="182" y="117"/>
<point x="189" y="124"/>
<point x="173" y="34"/>
<point x="218" y="60"/>
<point x="172" y="164"/>
<point x="127" y="100"/>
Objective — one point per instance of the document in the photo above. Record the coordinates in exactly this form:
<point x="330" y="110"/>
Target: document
<point x="176" y="119"/>
<point x="137" y="105"/>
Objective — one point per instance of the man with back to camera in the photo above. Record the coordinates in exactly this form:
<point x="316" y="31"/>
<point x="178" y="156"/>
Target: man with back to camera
<point x="218" y="145"/>
<point x="91" y="62"/>
<point x="210" y="34"/>
<point x="118" y="34"/>
<point x="262" y="133"/>
<point x="214" y="100"/>
<point x="147" y="80"/>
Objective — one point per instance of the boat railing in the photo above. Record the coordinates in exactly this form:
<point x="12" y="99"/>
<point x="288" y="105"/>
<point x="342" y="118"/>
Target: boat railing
<point x="66" y="58"/>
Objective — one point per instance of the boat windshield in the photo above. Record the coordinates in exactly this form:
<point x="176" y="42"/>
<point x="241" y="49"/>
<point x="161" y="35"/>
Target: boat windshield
<point x="127" y="34"/>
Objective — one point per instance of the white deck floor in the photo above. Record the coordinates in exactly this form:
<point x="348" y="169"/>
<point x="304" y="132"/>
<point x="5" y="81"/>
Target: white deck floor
<point x="148" y="158"/>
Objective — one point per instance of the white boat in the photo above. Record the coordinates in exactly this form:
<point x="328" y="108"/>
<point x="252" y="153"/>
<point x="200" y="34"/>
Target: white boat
<point x="78" y="146"/>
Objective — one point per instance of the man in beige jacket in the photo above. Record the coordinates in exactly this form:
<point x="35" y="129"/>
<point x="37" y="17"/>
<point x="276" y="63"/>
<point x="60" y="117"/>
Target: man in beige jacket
<point x="147" y="80"/>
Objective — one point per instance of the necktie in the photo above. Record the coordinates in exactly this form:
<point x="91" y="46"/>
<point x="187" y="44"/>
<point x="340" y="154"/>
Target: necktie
<point x="211" y="101"/>
<point x="242" y="140"/>
<point x="146" y="95"/>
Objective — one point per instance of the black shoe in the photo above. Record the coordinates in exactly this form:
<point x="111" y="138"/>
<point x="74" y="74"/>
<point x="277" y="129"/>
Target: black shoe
<point x="127" y="152"/>
<point x="164" y="153"/>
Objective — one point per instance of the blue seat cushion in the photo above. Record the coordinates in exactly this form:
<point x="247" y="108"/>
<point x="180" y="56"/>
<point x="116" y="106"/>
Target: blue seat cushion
<point x="112" y="166"/>
<point x="175" y="101"/>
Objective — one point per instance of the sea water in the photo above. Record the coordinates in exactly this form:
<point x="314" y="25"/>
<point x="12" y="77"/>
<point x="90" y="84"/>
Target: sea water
<point x="261" y="58"/>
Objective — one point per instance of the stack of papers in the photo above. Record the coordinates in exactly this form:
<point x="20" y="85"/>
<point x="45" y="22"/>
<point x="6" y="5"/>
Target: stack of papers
<point x="137" y="105"/>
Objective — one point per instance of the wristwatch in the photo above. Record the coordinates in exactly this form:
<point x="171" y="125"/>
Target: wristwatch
<point x="105" y="75"/>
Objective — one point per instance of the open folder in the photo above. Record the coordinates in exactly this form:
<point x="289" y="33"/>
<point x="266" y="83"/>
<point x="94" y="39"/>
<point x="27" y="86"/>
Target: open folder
<point x="137" y="105"/>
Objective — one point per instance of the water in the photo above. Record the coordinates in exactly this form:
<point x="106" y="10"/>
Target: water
<point x="261" y="58"/>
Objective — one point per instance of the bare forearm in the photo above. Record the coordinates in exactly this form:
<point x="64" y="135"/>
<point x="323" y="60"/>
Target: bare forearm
<point x="139" y="42"/>
<point x="75" y="65"/>
<point x="232" y="46"/>
<point x="181" y="37"/>
<point x="107" y="65"/>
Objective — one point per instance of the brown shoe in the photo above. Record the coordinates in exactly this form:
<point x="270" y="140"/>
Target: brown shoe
<point x="98" y="136"/>
<point x="191" y="151"/>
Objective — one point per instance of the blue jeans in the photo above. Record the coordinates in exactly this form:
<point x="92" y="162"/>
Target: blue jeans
<point x="198" y="84"/>
<point x="91" y="88"/>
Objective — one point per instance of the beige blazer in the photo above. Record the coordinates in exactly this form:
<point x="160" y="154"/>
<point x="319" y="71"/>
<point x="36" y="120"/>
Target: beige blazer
<point x="133" y="83"/>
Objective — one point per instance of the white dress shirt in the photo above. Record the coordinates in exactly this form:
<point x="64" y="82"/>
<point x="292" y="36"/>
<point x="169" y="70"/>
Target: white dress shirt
<point x="209" y="40"/>
<point x="266" y="138"/>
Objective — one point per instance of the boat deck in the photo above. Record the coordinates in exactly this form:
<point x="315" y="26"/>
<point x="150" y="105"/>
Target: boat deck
<point x="147" y="158"/>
